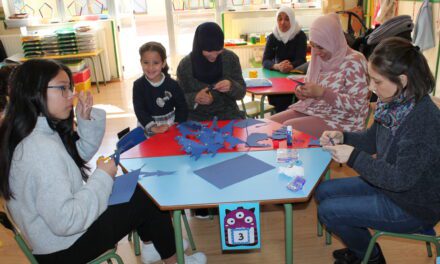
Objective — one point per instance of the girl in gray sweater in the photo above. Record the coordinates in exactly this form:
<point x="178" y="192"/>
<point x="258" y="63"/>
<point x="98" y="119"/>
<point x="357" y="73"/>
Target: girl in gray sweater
<point x="61" y="210"/>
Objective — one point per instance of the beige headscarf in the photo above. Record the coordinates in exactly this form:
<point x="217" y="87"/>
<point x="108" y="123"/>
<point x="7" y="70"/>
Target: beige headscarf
<point x="294" y="26"/>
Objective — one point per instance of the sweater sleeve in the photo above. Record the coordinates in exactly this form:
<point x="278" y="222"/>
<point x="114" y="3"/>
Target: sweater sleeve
<point x="269" y="53"/>
<point x="300" y="50"/>
<point x="190" y="86"/>
<point x="65" y="211"/>
<point x="91" y="133"/>
<point x="235" y="76"/>
<point x="180" y="105"/>
<point x="414" y="155"/>
<point x="353" y="96"/>
<point x="141" y="111"/>
<point x="363" y="140"/>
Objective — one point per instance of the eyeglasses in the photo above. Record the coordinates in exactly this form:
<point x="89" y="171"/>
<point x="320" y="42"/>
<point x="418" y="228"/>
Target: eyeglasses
<point x="66" y="90"/>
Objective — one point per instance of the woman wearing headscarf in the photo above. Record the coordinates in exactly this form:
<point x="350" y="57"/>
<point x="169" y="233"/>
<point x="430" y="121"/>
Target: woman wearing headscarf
<point x="286" y="48"/>
<point x="335" y="95"/>
<point x="211" y="77"/>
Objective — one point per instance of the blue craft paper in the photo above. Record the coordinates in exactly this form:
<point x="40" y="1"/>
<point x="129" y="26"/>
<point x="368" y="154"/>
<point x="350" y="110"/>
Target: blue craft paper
<point x="130" y="140"/>
<point x="252" y="140"/>
<point x="226" y="232"/>
<point x="257" y="82"/>
<point x="314" y="142"/>
<point x="247" y="122"/>
<point x="229" y="172"/>
<point x="123" y="188"/>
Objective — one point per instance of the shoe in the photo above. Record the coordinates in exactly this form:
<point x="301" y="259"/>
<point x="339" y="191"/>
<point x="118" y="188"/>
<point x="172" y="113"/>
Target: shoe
<point x="201" y="213"/>
<point x="350" y="258"/>
<point x="150" y="255"/>
<point x="343" y="253"/>
<point x="196" y="258"/>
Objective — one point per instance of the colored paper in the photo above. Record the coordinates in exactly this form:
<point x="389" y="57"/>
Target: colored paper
<point x="257" y="82"/>
<point x="123" y="187"/>
<point x="247" y="122"/>
<point x="253" y="139"/>
<point x="234" y="170"/>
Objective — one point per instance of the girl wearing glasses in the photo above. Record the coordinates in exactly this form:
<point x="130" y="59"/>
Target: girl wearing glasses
<point x="61" y="208"/>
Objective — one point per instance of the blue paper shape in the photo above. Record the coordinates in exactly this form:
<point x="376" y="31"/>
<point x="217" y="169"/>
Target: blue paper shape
<point x="229" y="172"/>
<point x="247" y="122"/>
<point x="280" y="133"/>
<point x="143" y="174"/>
<point x="227" y="129"/>
<point x="314" y="142"/>
<point x="252" y="140"/>
<point x="130" y="140"/>
<point x="240" y="226"/>
<point x="257" y="82"/>
<point x="123" y="187"/>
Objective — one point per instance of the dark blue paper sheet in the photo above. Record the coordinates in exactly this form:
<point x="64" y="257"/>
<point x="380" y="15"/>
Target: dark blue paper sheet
<point x="314" y="142"/>
<point x="253" y="139"/>
<point x="247" y="122"/>
<point x="123" y="188"/>
<point x="234" y="170"/>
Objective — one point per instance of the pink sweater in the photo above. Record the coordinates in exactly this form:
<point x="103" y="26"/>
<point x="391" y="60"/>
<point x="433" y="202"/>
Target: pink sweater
<point x="344" y="104"/>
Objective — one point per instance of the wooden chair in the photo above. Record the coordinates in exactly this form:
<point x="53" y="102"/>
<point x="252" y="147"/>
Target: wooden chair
<point x="7" y="221"/>
<point x="252" y="109"/>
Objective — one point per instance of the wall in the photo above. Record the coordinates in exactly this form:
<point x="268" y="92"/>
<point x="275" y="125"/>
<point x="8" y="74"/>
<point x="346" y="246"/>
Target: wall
<point x="409" y="8"/>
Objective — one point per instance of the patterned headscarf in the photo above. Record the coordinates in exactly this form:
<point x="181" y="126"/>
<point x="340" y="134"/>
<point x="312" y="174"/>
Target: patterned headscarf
<point x="326" y="31"/>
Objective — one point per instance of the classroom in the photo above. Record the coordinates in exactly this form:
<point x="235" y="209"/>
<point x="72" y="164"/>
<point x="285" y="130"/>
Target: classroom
<point x="219" y="131"/>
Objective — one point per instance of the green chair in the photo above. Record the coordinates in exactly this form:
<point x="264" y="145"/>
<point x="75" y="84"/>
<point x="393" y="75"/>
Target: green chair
<point x="6" y="221"/>
<point x="252" y="109"/>
<point x="428" y="236"/>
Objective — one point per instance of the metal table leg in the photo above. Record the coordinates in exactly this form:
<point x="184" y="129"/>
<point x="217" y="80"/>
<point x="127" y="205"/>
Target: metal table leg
<point x="178" y="236"/>
<point x="289" y="232"/>
<point x="94" y="72"/>
<point x="262" y="106"/>
<point x="102" y="69"/>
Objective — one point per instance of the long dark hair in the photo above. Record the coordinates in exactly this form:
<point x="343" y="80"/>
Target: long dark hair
<point x="28" y="101"/>
<point x="159" y="48"/>
<point x="395" y="56"/>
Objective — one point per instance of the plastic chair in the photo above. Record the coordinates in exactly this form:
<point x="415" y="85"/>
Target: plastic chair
<point x="252" y="109"/>
<point x="7" y="222"/>
<point x="428" y="236"/>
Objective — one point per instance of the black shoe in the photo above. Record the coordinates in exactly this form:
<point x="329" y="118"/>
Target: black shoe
<point x="201" y="213"/>
<point x="346" y="256"/>
<point x="343" y="253"/>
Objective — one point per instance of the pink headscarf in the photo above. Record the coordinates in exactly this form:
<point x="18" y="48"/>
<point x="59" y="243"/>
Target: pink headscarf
<point x="326" y="31"/>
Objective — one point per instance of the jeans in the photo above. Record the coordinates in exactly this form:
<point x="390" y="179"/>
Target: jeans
<point x="348" y="206"/>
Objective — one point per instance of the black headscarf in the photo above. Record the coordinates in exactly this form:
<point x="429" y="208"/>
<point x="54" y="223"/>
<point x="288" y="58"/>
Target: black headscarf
<point x="209" y="37"/>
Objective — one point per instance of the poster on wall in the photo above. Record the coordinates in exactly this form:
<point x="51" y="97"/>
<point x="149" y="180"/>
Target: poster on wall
<point x="240" y="226"/>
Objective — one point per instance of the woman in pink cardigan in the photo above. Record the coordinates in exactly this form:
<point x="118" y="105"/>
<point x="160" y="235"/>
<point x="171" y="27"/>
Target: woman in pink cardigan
<point x="335" y="95"/>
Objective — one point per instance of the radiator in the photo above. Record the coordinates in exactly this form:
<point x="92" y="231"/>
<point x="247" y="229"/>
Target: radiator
<point x="12" y="44"/>
<point x="248" y="54"/>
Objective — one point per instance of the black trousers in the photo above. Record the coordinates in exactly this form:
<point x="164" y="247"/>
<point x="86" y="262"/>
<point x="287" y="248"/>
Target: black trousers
<point x="117" y="221"/>
<point x="280" y="101"/>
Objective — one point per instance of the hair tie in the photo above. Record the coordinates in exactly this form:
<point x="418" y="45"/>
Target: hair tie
<point x="417" y="48"/>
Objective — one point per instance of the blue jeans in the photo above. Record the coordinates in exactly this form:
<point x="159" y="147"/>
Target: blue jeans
<point x="348" y="206"/>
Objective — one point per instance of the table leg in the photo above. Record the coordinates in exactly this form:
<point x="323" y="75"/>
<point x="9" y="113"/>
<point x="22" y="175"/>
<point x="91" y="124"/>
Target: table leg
<point x="102" y="69"/>
<point x="288" y="208"/>
<point x="262" y="106"/>
<point x="178" y="236"/>
<point x="94" y="72"/>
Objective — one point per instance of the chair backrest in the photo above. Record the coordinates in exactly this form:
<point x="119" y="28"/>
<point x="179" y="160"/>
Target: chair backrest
<point x="8" y="222"/>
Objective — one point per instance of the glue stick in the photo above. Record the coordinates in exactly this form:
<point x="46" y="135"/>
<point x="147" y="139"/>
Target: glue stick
<point x="289" y="136"/>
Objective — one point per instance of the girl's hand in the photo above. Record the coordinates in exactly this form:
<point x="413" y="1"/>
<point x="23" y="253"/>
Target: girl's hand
<point x="328" y="136"/>
<point x="223" y="86"/>
<point x="204" y="97"/>
<point x="298" y="93"/>
<point x="84" y="106"/>
<point x="311" y="90"/>
<point x="285" y="66"/>
<point x="340" y="153"/>
<point x="108" y="165"/>
<point x="160" y="129"/>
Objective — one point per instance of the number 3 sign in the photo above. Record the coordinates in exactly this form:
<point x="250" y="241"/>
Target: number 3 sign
<point x="240" y="226"/>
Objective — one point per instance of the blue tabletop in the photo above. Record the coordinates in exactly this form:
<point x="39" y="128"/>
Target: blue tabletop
<point x="184" y="189"/>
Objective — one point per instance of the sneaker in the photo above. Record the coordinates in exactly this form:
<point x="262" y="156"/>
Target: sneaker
<point x="343" y="253"/>
<point x="201" y="213"/>
<point x="196" y="258"/>
<point x="348" y="257"/>
<point x="150" y="255"/>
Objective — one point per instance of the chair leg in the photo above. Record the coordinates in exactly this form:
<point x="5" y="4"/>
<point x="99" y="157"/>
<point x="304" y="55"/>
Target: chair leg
<point x="137" y="243"/>
<point x="188" y="231"/>
<point x="371" y="246"/>
<point x="328" y="235"/>
<point x="428" y="249"/>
